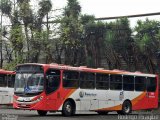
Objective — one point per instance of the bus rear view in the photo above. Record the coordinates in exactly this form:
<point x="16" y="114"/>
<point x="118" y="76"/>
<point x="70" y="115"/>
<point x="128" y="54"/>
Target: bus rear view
<point x="6" y="87"/>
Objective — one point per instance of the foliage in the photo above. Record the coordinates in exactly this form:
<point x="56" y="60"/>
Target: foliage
<point x="5" y="6"/>
<point x="17" y="38"/>
<point x="148" y="43"/>
<point x="11" y="65"/>
<point x="80" y="40"/>
<point x="71" y="32"/>
<point x="119" y="39"/>
<point x="45" y="7"/>
<point x="94" y="34"/>
<point x="25" y="13"/>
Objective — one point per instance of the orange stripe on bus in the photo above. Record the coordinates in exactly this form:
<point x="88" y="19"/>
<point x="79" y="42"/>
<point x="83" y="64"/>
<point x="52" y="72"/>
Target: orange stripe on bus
<point x="135" y="100"/>
<point x="70" y="93"/>
<point x="119" y="107"/>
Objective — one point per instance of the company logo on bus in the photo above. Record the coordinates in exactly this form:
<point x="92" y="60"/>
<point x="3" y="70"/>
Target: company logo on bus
<point x="86" y="94"/>
<point x="121" y="95"/>
<point x="81" y="94"/>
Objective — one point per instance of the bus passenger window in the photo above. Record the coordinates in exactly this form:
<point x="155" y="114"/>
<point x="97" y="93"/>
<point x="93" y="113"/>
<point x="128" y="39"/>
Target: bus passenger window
<point x="3" y="81"/>
<point x="116" y="82"/>
<point x="102" y="81"/>
<point x="151" y="84"/>
<point x="70" y="79"/>
<point x="87" y="80"/>
<point x="128" y="83"/>
<point x="140" y="83"/>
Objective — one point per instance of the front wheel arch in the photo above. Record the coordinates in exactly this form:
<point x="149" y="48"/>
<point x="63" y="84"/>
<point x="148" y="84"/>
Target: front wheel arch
<point x="72" y="103"/>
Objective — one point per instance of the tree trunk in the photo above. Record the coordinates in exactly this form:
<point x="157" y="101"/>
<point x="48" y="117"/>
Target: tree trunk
<point x="27" y="41"/>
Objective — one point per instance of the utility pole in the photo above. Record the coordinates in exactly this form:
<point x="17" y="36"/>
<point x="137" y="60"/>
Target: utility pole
<point x="129" y="16"/>
<point x="1" y="52"/>
<point x="47" y="56"/>
<point x="14" y="5"/>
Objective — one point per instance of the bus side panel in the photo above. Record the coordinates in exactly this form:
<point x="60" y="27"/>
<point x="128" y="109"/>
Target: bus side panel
<point x="6" y="95"/>
<point x="69" y="94"/>
<point x="85" y="99"/>
<point x="149" y="99"/>
<point x="139" y="102"/>
<point x="100" y="100"/>
<point x="113" y="103"/>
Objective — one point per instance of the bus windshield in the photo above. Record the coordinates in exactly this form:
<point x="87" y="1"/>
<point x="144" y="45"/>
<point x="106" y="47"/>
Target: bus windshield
<point x="29" y="83"/>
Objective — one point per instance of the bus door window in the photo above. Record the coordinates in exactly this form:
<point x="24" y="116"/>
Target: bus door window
<point x="52" y="80"/>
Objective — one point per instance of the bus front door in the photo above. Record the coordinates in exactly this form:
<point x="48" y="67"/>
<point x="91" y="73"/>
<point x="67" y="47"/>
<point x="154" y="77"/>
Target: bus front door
<point x="52" y="89"/>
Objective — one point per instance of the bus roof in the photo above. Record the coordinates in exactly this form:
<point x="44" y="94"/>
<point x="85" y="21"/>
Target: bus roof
<point x="2" y="71"/>
<point x="86" y="69"/>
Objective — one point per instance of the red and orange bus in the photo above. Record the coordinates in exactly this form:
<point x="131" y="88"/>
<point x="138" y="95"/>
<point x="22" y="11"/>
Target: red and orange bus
<point x="53" y="87"/>
<point x="7" y="79"/>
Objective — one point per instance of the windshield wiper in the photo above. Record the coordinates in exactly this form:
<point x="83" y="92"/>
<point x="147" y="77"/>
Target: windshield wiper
<point x="33" y="93"/>
<point x="18" y="93"/>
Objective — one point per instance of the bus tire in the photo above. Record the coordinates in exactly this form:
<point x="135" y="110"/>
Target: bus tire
<point x="68" y="109"/>
<point x="42" y="113"/>
<point x="102" y="112"/>
<point x="126" y="108"/>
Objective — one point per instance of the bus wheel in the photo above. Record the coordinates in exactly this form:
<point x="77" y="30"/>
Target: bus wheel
<point x="126" y="108"/>
<point x="68" y="109"/>
<point x="102" y="112"/>
<point x="42" y="113"/>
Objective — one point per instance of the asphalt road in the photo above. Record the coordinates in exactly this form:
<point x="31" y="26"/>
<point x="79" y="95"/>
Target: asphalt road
<point x="11" y="114"/>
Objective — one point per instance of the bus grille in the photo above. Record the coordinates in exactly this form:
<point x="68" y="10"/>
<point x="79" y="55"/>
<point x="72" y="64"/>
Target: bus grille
<point x="23" y="106"/>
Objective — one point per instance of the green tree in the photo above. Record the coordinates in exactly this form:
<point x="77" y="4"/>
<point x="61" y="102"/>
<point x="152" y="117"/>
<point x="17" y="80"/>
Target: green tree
<point x="71" y="32"/>
<point x="33" y="24"/>
<point x="6" y="7"/>
<point x="25" y="13"/>
<point x="94" y="35"/>
<point x="16" y="36"/>
<point x="40" y="42"/>
<point x="119" y="44"/>
<point x="148" y="43"/>
<point x="28" y="38"/>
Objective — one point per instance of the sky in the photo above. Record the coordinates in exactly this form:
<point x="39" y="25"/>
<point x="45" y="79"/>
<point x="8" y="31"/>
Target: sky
<point x="102" y="8"/>
<point x="110" y="8"/>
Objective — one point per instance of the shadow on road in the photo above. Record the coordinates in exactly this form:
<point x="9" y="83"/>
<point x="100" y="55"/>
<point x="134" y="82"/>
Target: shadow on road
<point x="76" y="115"/>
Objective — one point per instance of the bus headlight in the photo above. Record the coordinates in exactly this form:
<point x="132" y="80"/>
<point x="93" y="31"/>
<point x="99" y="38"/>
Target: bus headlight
<point x="14" y="99"/>
<point x="38" y="99"/>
